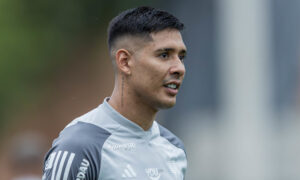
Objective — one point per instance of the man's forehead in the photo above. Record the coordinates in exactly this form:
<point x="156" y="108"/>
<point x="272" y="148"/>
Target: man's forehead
<point x="168" y="39"/>
<point x="165" y="39"/>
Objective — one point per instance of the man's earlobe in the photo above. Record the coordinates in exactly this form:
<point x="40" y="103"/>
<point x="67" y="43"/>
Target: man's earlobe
<point x="123" y="57"/>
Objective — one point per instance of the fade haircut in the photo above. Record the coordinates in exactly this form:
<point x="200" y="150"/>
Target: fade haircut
<point x="140" y="21"/>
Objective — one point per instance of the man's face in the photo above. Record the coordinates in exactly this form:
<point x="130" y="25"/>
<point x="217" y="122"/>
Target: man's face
<point x="158" y="69"/>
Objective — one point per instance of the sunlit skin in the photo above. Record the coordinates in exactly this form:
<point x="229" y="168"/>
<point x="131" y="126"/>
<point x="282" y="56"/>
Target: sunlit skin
<point x="144" y="67"/>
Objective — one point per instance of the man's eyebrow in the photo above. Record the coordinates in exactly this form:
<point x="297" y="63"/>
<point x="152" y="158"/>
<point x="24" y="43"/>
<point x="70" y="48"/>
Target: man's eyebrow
<point x="183" y="51"/>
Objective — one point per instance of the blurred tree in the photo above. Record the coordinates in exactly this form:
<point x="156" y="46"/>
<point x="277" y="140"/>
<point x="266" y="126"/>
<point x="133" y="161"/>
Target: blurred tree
<point x="35" y="38"/>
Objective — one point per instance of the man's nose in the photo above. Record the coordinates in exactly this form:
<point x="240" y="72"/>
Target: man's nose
<point x="178" y="69"/>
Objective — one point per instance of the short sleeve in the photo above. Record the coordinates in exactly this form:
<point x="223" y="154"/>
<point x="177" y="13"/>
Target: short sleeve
<point x="76" y="153"/>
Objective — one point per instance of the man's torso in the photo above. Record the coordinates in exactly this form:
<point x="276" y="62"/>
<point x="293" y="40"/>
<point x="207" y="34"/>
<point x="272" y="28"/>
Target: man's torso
<point x="103" y="145"/>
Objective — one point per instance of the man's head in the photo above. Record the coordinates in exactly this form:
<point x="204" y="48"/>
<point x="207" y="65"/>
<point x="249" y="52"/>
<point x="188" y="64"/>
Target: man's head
<point x="140" y="22"/>
<point x="147" y="51"/>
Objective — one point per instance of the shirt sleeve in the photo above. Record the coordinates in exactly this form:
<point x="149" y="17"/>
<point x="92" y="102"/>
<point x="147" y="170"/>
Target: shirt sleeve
<point x="76" y="153"/>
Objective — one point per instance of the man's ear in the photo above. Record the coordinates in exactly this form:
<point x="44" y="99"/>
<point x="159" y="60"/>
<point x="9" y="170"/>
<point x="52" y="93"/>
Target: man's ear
<point x="123" y="57"/>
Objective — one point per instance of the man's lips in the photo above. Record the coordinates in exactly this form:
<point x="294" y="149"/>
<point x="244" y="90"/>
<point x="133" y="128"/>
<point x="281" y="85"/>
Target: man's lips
<point x="172" y="87"/>
<point x="177" y="83"/>
<point x="171" y="91"/>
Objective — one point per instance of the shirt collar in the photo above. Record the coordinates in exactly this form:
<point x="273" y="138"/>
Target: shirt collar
<point x="126" y="123"/>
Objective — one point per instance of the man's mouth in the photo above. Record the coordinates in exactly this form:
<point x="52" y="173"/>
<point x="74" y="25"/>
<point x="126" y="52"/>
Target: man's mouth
<point x="172" y="86"/>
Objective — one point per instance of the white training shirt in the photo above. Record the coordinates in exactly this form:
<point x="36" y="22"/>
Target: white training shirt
<point x="104" y="145"/>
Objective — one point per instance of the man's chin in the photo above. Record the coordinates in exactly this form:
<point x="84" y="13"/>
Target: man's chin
<point x="167" y="104"/>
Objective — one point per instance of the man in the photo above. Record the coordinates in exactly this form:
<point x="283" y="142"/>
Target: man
<point x="121" y="139"/>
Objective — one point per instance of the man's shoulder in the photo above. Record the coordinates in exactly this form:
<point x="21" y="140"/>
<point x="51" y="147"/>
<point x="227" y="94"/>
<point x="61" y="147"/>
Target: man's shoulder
<point x="81" y="134"/>
<point x="76" y="153"/>
<point x="172" y="138"/>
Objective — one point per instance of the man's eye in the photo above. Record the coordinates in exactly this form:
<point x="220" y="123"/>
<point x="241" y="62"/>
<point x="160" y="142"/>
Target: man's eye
<point x="164" y="55"/>
<point x="181" y="57"/>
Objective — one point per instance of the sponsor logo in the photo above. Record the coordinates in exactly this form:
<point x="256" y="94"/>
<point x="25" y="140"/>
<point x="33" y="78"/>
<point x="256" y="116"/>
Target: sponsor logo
<point x="83" y="169"/>
<point x="128" y="172"/>
<point x="153" y="173"/>
<point x="124" y="147"/>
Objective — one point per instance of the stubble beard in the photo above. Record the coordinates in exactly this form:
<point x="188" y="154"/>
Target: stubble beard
<point x="157" y="102"/>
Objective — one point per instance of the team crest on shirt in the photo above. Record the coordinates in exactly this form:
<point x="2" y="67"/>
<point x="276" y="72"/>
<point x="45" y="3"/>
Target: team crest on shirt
<point x="175" y="169"/>
<point x="153" y="173"/>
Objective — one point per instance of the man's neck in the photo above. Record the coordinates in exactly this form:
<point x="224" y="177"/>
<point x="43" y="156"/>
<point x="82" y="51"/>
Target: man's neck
<point x="134" y="110"/>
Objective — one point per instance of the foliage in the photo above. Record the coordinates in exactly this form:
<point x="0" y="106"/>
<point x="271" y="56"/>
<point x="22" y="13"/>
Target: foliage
<point x="34" y="36"/>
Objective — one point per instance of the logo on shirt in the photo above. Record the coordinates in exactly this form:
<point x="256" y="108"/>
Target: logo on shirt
<point x="124" y="147"/>
<point x="153" y="173"/>
<point x="82" y="169"/>
<point x="56" y="162"/>
<point x="128" y="172"/>
<point x="175" y="169"/>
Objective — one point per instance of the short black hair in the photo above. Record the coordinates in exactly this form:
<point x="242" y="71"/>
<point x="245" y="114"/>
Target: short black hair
<point x="141" y="21"/>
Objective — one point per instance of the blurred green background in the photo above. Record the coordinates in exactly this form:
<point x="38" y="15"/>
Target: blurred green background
<point x="54" y="66"/>
<point x="37" y="38"/>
